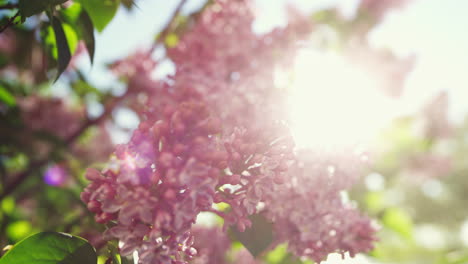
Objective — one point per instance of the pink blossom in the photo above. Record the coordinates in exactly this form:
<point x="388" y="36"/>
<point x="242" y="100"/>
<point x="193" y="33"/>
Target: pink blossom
<point x="435" y="115"/>
<point x="378" y="8"/>
<point x="51" y="115"/>
<point x="309" y="214"/>
<point x="212" y="244"/>
<point x="427" y="165"/>
<point x="213" y="132"/>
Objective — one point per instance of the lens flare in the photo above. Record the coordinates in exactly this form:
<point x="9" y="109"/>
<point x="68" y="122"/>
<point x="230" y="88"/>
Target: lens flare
<point x="55" y="175"/>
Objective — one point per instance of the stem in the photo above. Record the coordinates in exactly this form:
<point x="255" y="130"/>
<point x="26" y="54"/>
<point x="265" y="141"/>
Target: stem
<point x="19" y="178"/>
<point x="168" y="27"/>
<point x="9" y="23"/>
<point x="219" y="213"/>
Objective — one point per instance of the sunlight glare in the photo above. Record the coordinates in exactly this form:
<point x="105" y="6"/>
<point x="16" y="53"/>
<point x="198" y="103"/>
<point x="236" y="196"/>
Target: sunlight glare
<point x="130" y="161"/>
<point x="333" y="103"/>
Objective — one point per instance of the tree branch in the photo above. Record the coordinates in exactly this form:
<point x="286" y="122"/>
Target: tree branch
<point x="169" y="26"/>
<point x="9" y="23"/>
<point x="9" y="6"/>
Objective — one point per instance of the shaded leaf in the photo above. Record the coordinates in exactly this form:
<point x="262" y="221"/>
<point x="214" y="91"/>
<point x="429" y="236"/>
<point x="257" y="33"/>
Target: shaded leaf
<point x="28" y="8"/>
<point x="70" y="34"/>
<point x="51" y="248"/>
<point x="87" y="33"/>
<point x="63" y="48"/>
<point x="101" y="12"/>
<point x="258" y="237"/>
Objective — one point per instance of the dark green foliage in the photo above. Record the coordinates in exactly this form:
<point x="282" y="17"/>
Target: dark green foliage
<point x="28" y="8"/>
<point x="86" y="30"/>
<point x="258" y="237"/>
<point x="64" y="54"/>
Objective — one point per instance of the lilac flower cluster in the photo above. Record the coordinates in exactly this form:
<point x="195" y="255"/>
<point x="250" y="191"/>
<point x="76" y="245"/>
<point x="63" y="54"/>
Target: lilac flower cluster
<point x="216" y="132"/>
<point x="310" y="213"/>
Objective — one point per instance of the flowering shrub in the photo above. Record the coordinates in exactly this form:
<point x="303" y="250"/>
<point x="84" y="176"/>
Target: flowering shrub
<point x="212" y="134"/>
<point x="213" y="139"/>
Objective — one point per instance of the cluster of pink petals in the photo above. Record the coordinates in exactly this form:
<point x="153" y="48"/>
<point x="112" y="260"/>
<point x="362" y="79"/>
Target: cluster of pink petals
<point x="429" y="166"/>
<point x="212" y="244"/>
<point x="51" y="115"/>
<point x="7" y="42"/>
<point x="388" y="71"/>
<point x="309" y="212"/>
<point x="378" y="8"/>
<point x="103" y="147"/>
<point x="216" y="132"/>
<point x="436" y="127"/>
<point x="164" y="177"/>
<point x="436" y="120"/>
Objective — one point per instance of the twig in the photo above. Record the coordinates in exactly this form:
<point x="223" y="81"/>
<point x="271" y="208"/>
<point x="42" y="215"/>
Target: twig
<point x="9" y="6"/>
<point x="169" y="26"/>
<point x="20" y="177"/>
<point x="9" y="23"/>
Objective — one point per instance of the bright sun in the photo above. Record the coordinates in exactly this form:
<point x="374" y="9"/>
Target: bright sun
<point x="334" y="104"/>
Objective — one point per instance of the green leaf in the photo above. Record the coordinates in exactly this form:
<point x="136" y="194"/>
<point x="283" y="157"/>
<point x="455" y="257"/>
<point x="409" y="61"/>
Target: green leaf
<point x="258" y="237"/>
<point x="6" y="97"/>
<point x="70" y="34"/>
<point x="63" y="48"/>
<point x="277" y="255"/>
<point x="101" y="12"/>
<point x="375" y="201"/>
<point x="280" y="255"/>
<point x="28" y="8"/>
<point x="51" y="248"/>
<point x="71" y="13"/>
<point x="8" y="205"/>
<point x="82" y="88"/>
<point x="86" y="28"/>
<point x="399" y="221"/>
<point x="18" y="230"/>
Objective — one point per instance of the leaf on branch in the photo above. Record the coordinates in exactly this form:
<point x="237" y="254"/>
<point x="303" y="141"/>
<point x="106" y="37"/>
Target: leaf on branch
<point x="29" y="8"/>
<point x="71" y="13"/>
<point x="51" y="248"/>
<point x="86" y="28"/>
<point x="63" y="49"/>
<point x="258" y="237"/>
<point x="101" y="12"/>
